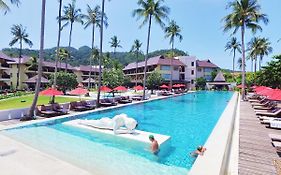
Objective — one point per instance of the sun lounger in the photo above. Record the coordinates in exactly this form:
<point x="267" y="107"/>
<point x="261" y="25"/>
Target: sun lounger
<point x="124" y="100"/>
<point x="137" y="97"/>
<point x="88" y="105"/>
<point x="264" y="108"/>
<point x="276" y="144"/>
<point x="47" y="111"/>
<point x="274" y="113"/>
<point x="267" y="121"/>
<point x="275" y="124"/>
<point x="261" y="104"/>
<point x="107" y="102"/>
<point x="77" y="106"/>
<point x="275" y="137"/>
<point x="60" y="109"/>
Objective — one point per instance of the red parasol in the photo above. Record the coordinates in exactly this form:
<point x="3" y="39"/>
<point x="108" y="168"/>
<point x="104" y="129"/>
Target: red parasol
<point x="182" y="85"/>
<point x="240" y="86"/>
<point x="79" y="91"/>
<point x="50" y="92"/>
<point x="105" y="89"/>
<point x="139" y="87"/>
<point x="275" y="95"/>
<point x="260" y="88"/>
<point x="120" y="88"/>
<point x="265" y="91"/>
<point x="176" y="86"/>
<point x="164" y="86"/>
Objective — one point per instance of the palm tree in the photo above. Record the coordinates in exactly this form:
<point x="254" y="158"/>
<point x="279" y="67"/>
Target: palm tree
<point x="93" y="18"/>
<point x="245" y="14"/>
<point x="71" y="15"/>
<point x="95" y="56"/>
<point x="41" y="56"/>
<point x="172" y="31"/>
<point x="265" y="49"/>
<point x="150" y="9"/>
<point x="63" y="54"/>
<point x="136" y="50"/>
<point x="33" y="64"/>
<point x="58" y="45"/>
<point x="115" y="43"/>
<point x="101" y="54"/>
<point x="20" y="36"/>
<point x="5" y="7"/>
<point x="254" y="51"/>
<point x="233" y="45"/>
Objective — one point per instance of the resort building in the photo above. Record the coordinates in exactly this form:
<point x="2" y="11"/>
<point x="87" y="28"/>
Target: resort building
<point x="135" y="71"/>
<point x="11" y="68"/>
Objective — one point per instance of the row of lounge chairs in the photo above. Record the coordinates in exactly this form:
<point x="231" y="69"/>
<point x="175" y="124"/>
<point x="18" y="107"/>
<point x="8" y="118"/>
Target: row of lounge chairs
<point x="269" y="114"/>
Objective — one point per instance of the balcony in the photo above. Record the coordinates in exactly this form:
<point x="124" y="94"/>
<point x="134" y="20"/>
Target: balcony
<point x="4" y="79"/>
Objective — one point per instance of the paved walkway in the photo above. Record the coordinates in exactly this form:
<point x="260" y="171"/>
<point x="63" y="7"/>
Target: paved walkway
<point x="256" y="153"/>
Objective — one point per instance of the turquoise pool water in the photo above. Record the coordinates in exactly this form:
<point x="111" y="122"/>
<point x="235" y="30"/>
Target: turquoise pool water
<point x="188" y="119"/>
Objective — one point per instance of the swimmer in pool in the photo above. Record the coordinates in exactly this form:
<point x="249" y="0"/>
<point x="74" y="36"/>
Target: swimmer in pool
<point x="199" y="151"/>
<point x="154" y="145"/>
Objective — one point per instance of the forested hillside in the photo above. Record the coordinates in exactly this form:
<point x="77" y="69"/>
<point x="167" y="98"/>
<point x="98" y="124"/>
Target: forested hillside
<point x="81" y="55"/>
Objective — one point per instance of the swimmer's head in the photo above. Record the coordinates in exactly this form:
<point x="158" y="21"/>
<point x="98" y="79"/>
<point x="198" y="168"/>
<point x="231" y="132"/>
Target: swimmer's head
<point x="199" y="148"/>
<point x="151" y="137"/>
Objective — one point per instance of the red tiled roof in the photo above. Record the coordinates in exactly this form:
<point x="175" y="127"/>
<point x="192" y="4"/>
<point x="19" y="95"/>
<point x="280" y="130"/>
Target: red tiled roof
<point x="24" y="60"/>
<point x="34" y="79"/>
<point x="159" y="60"/>
<point x="5" y="57"/>
<point x="205" y="63"/>
<point x="87" y="68"/>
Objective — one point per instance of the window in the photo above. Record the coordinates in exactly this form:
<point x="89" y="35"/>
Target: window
<point x="199" y="69"/>
<point x="166" y="76"/>
<point x="192" y="63"/>
<point x="192" y="81"/>
<point x="192" y="72"/>
<point x="176" y="68"/>
<point x="164" y="67"/>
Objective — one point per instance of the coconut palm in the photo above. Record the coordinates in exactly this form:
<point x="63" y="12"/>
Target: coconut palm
<point x="115" y="43"/>
<point x="63" y="54"/>
<point x="254" y="51"/>
<point x="101" y="47"/>
<point x="172" y="31"/>
<point x="136" y="50"/>
<point x="33" y="64"/>
<point x="58" y="45"/>
<point x="150" y="9"/>
<point x="93" y="18"/>
<point x="233" y="45"/>
<point x="71" y="15"/>
<point x="41" y="56"/>
<point x="246" y="14"/>
<point x="4" y="6"/>
<point x="19" y="35"/>
<point x="95" y="56"/>
<point x="265" y="49"/>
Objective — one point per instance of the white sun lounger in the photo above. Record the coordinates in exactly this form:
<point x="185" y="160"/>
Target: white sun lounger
<point x="275" y="124"/>
<point x="267" y="121"/>
<point x="270" y="113"/>
<point x="277" y="144"/>
<point x="275" y="137"/>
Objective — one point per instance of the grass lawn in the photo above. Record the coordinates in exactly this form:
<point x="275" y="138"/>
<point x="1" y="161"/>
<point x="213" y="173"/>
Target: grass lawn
<point x="14" y="103"/>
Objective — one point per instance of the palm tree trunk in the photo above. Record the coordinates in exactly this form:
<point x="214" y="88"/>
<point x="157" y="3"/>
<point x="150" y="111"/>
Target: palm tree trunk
<point x="136" y="83"/>
<point x="20" y="56"/>
<point x="58" y="45"/>
<point x="255" y="67"/>
<point x="146" y="56"/>
<point x="91" y="56"/>
<point x="260" y="62"/>
<point x="41" y="56"/>
<point x="243" y="60"/>
<point x="69" y="45"/>
<point x="171" y="66"/>
<point x="100" y="59"/>
<point x="252" y="65"/>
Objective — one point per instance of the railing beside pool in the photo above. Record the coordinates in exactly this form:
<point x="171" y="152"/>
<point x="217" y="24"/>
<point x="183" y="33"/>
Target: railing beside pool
<point x="220" y="145"/>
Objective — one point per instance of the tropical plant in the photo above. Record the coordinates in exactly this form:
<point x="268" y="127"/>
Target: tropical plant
<point x="200" y="83"/>
<point x="246" y="14"/>
<point x="154" y="80"/>
<point x="265" y="49"/>
<point x="254" y="51"/>
<point x="94" y="56"/>
<point x="19" y="35"/>
<point x="150" y="9"/>
<point x="71" y="15"/>
<point x="233" y="45"/>
<point x="66" y="81"/>
<point x="172" y="31"/>
<point x="41" y="57"/>
<point x="115" y="43"/>
<point x="4" y="6"/>
<point x="58" y="44"/>
<point x="93" y="18"/>
<point x="33" y="64"/>
<point x="63" y="54"/>
<point x="113" y="77"/>
<point x="136" y="51"/>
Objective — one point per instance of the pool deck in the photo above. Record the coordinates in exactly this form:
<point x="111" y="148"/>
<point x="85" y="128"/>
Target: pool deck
<point x="256" y="153"/>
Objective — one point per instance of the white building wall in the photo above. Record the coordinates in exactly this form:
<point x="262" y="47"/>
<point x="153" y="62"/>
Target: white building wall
<point x="190" y="68"/>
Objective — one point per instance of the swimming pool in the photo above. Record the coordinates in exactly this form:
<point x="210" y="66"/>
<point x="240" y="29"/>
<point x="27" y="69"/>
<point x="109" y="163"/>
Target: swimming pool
<point x="188" y="119"/>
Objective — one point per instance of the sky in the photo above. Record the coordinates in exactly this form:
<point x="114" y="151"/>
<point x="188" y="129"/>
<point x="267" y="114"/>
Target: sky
<point x="200" y="21"/>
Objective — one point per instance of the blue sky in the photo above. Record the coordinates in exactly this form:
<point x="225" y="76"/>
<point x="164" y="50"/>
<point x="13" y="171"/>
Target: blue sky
<point x="200" y="21"/>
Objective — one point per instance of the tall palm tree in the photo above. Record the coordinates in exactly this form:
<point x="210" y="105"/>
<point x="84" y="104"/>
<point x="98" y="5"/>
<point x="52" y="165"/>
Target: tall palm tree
<point x="4" y="6"/>
<point x="41" y="56"/>
<point x="150" y="9"/>
<point x="20" y="36"/>
<point x="254" y="51"/>
<point x="93" y="18"/>
<point x="115" y="43"/>
<point x="63" y="54"/>
<point x="246" y="14"/>
<point x="233" y="45"/>
<point x="172" y="31"/>
<point x="71" y="15"/>
<point x="265" y="49"/>
<point x="58" y="46"/>
<point x="95" y="56"/>
<point x="101" y="54"/>
<point x="33" y="64"/>
<point x="136" y="50"/>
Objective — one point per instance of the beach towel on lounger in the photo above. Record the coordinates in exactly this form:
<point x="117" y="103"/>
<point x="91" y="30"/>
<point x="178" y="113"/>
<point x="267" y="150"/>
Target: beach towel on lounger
<point x="275" y="124"/>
